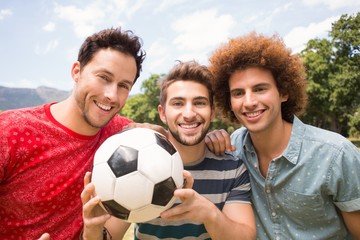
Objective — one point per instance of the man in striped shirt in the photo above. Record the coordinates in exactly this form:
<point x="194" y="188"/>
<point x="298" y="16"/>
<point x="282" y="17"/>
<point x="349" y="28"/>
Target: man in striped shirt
<point x="218" y="206"/>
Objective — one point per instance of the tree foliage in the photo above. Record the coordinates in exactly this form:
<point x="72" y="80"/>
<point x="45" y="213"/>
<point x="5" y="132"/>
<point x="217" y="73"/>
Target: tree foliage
<point x="333" y="67"/>
<point x="143" y="107"/>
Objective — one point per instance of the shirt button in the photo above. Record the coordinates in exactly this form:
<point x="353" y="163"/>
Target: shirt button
<point x="273" y="214"/>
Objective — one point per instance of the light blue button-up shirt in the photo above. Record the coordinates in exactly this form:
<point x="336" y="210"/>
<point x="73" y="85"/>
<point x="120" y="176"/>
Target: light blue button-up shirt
<point x="317" y="174"/>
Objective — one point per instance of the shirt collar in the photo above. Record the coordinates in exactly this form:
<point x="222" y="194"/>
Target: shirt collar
<point x="293" y="148"/>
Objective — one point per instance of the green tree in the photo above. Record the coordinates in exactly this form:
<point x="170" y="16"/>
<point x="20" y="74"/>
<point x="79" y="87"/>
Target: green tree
<point x="143" y="107"/>
<point x="333" y="67"/>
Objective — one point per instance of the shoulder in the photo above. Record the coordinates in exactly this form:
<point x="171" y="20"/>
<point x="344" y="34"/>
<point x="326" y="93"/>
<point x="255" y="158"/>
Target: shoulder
<point x="116" y="124"/>
<point x="238" y="135"/>
<point x="225" y="156"/>
<point x="323" y="142"/>
<point x="238" y="138"/>
<point x="117" y="119"/>
<point x="324" y="137"/>
<point x="16" y="117"/>
<point x="226" y="161"/>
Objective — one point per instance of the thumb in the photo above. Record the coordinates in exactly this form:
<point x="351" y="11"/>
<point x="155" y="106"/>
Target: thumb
<point x="45" y="236"/>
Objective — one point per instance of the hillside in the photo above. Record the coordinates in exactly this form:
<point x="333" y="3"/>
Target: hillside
<point x="12" y="98"/>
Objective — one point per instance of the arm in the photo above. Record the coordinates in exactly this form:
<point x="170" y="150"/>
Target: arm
<point x="348" y="171"/>
<point x="154" y="127"/>
<point x="236" y="221"/>
<point x="117" y="227"/>
<point x="95" y="217"/>
<point x="352" y="220"/>
<point x="218" y="141"/>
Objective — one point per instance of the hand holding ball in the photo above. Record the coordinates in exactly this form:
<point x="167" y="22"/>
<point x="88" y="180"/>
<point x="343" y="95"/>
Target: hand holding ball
<point x="135" y="174"/>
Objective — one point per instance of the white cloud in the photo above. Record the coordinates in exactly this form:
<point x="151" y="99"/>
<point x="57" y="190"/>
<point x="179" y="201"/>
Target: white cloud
<point x="134" y="7"/>
<point x="332" y="4"/>
<point x="119" y="5"/>
<point x="50" y="27"/>
<point x="166" y="4"/>
<point x="40" y="50"/>
<point x="84" y="20"/>
<point x="297" y="38"/>
<point x="202" y="29"/>
<point x="157" y="56"/>
<point x="263" y="20"/>
<point x="200" y="57"/>
<point x="4" y="13"/>
<point x="282" y="8"/>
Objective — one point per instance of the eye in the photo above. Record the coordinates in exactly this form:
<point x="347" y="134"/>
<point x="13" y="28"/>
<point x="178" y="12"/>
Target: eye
<point x="176" y="103"/>
<point x="125" y="86"/>
<point x="104" y="77"/>
<point x="200" y="103"/>
<point x="237" y="93"/>
<point x="260" y="89"/>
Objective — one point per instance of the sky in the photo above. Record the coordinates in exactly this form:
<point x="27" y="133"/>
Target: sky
<point x="40" y="39"/>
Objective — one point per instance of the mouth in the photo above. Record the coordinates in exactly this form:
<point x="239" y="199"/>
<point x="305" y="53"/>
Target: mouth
<point x="189" y="126"/>
<point x="253" y="114"/>
<point x="103" y="106"/>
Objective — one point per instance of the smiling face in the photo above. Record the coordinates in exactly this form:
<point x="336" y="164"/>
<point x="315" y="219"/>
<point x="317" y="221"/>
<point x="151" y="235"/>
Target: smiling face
<point x="255" y="99"/>
<point x="187" y="112"/>
<point x="102" y="86"/>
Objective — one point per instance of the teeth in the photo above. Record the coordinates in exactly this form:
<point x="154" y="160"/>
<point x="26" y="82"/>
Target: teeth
<point x="253" y="114"/>
<point x="103" y="107"/>
<point x="189" y="126"/>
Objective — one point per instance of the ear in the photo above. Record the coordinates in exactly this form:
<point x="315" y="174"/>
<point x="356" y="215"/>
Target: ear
<point x="161" y="111"/>
<point x="75" y="71"/>
<point x="284" y="98"/>
<point x="212" y="113"/>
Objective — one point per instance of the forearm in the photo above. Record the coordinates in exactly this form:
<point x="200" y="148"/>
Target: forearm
<point x="117" y="227"/>
<point x="352" y="220"/>
<point x="219" y="226"/>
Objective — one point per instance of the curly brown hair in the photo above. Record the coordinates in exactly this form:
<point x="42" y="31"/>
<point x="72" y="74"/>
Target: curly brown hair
<point x="256" y="50"/>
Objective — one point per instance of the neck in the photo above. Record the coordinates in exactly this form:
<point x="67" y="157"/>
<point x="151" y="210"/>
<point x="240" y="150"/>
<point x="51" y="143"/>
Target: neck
<point x="68" y="114"/>
<point x="271" y="143"/>
<point x="190" y="154"/>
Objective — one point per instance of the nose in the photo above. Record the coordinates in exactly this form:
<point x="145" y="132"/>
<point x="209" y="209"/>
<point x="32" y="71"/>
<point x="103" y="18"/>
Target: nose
<point x="188" y="111"/>
<point x="250" y="99"/>
<point x="111" y="92"/>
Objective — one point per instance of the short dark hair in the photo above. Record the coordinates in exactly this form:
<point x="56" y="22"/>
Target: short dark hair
<point x="255" y="50"/>
<point x="114" y="38"/>
<point x="187" y="71"/>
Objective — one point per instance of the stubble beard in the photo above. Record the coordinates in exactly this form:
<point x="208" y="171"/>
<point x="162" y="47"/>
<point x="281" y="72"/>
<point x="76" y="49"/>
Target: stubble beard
<point x="189" y="142"/>
<point x="86" y="115"/>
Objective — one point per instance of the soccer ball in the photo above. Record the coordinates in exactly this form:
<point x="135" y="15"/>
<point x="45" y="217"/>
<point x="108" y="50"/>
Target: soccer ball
<point x="135" y="174"/>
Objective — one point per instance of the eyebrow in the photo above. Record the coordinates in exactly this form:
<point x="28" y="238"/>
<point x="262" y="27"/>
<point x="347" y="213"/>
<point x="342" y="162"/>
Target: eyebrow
<point x="202" y="98"/>
<point x="255" y="86"/>
<point x="195" y="98"/>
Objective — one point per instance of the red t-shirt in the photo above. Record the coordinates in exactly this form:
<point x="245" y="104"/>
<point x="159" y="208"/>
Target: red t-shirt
<point x="42" y="168"/>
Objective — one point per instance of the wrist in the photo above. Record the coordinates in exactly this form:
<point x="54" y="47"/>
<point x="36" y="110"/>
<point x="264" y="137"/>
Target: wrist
<point x="104" y="235"/>
<point x="213" y="216"/>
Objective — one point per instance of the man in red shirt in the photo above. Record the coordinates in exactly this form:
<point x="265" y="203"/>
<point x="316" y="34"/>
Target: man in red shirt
<point x="46" y="150"/>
